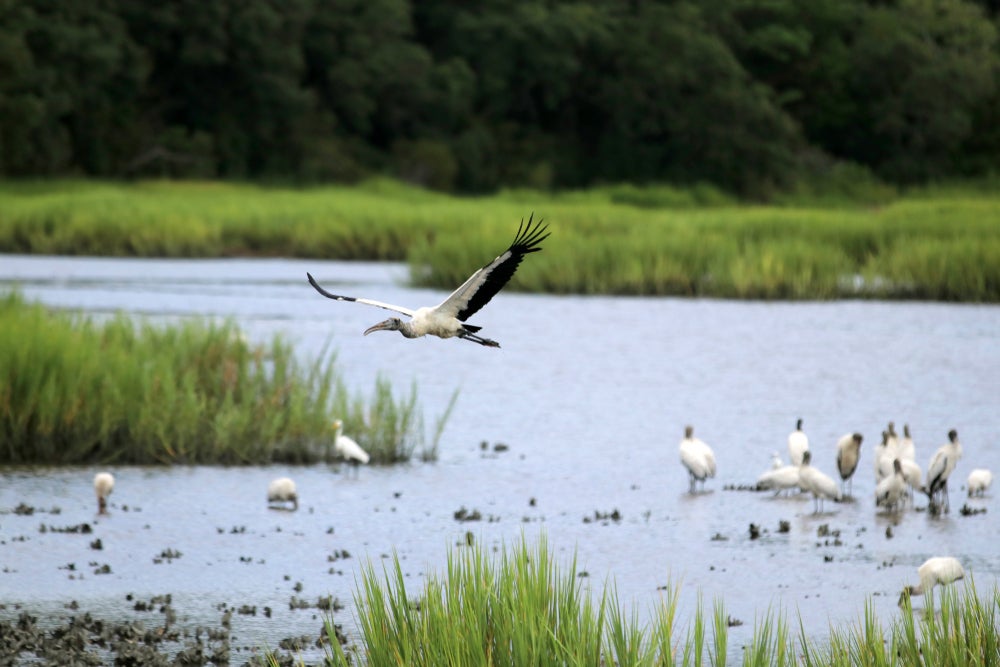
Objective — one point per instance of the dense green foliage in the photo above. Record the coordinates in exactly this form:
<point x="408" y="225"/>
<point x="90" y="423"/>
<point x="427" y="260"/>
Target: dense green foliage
<point x="523" y="608"/>
<point x="751" y="95"/>
<point x="931" y="244"/>
<point x="76" y="391"/>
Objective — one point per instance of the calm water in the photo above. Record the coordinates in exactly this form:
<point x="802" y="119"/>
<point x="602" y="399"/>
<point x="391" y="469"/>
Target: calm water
<point x="590" y="394"/>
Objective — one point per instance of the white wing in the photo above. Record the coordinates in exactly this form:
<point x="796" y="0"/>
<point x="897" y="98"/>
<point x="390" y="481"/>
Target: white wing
<point x="367" y="302"/>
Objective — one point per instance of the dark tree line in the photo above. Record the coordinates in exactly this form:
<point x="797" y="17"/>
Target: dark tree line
<point x="747" y="94"/>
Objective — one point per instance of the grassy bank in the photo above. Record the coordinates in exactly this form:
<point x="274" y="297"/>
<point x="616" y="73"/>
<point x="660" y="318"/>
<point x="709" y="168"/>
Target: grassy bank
<point x="939" y="245"/>
<point x="76" y="391"/>
<point x="522" y="608"/>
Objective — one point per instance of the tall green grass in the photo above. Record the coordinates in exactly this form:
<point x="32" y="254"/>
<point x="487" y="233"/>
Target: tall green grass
<point x="76" y="391"/>
<point x="941" y="243"/>
<point x="520" y="607"/>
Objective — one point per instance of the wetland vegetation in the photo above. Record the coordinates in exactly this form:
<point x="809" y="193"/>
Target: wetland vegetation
<point x="935" y="244"/>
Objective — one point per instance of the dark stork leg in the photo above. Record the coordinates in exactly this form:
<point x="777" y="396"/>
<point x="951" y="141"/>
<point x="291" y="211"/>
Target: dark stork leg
<point x="468" y="335"/>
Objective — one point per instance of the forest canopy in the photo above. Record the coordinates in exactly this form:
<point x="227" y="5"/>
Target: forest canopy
<point x="749" y="95"/>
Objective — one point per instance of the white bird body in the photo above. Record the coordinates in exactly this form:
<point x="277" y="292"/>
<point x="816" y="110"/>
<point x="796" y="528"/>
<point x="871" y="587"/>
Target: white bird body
<point x="697" y="457"/>
<point x="779" y="479"/>
<point x="104" y="483"/>
<point x="346" y="448"/>
<point x="282" y="490"/>
<point x="798" y="443"/>
<point x="937" y="571"/>
<point x="980" y="479"/>
<point x="940" y="468"/>
<point x="885" y="453"/>
<point x="447" y="319"/>
<point x="814" y="481"/>
<point x="891" y="491"/>
<point x="848" y="455"/>
<point x="906" y="451"/>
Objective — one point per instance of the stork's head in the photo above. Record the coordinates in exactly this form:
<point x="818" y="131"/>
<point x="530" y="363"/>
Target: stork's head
<point x="688" y="431"/>
<point x="858" y="438"/>
<point x="952" y="435"/>
<point x="391" y="324"/>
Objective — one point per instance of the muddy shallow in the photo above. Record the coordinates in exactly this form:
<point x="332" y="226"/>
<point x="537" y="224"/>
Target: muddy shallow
<point x="590" y="395"/>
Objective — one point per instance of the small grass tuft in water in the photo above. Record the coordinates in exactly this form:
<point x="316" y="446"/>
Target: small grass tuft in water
<point x="124" y="392"/>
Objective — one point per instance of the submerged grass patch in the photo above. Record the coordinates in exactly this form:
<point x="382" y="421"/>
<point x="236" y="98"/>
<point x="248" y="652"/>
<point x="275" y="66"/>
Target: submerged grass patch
<point x="520" y="607"/>
<point x="941" y="244"/>
<point x="76" y="391"/>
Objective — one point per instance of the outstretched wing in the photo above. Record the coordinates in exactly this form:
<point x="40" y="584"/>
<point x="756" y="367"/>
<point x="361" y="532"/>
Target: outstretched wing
<point x="483" y="285"/>
<point x="369" y="302"/>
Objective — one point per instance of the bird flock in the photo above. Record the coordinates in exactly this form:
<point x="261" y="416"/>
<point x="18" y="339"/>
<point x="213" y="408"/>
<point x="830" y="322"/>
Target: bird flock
<point x="897" y="477"/>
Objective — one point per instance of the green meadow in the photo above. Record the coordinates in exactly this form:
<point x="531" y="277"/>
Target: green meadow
<point x="935" y="244"/>
<point x="74" y="390"/>
<point x="521" y="607"/>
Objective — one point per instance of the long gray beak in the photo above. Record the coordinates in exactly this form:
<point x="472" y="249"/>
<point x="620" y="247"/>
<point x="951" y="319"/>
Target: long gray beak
<point x="381" y="326"/>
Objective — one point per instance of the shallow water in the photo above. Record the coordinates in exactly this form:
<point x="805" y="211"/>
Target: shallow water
<point x="590" y="394"/>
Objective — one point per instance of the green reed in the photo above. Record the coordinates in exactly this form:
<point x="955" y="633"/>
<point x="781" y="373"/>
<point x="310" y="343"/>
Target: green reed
<point x="520" y="607"/>
<point x="73" y="390"/>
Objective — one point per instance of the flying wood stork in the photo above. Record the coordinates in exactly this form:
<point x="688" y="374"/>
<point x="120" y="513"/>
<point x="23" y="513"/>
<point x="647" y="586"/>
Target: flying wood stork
<point x="941" y="466"/>
<point x="282" y="490"/>
<point x="940" y="570"/>
<point x="447" y="319"/>
<point x="697" y="457"/>
<point x="104" y="483"/>
<point x="798" y="443"/>
<point x="848" y="454"/>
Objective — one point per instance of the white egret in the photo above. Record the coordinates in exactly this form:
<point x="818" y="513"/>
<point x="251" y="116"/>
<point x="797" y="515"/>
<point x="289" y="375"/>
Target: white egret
<point x="104" y="483"/>
<point x="980" y="479"/>
<point x="697" y="457"/>
<point x="798" y="443"/>
<point x="937" y="571"/>
<point x="447" y="319"/>
<point x="346" y="448"/>
<point x="848" y="455"/>
<point x="282" y="490"/>
<point x="814" y="481"/>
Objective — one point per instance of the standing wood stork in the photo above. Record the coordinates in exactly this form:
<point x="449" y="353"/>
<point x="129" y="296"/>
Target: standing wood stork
<point x="979" y="480"/>
<point x="697" y="457"/>
<point x="906" y="450"/>
<point x="812" y="480"/>
<point x="940" y="570"/>
<point x="447" y="319"/>
<point x="282" y="490"/>
<point x="891" y="491"/>
<point x="941" y="466"/>
<point x="104" y="483"/>
<point x="797" y="444"/>
<point x="848" y="454"/>
<point x="346" y="448"/>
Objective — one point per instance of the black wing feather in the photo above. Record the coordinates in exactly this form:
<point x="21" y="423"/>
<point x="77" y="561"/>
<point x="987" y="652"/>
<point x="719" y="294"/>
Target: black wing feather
<point x="526" y="241"/>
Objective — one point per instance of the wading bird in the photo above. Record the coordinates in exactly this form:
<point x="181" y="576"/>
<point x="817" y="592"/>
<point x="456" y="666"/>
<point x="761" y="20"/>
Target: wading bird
<point x="697" y="457"/>
<point x="346" y="448"/>
<point x="940" y="468"/>
<point x="848" y="454"/>
<point x="779" y="479"/>
<point x="104" y="483"/>
<point x="906" y="450"/>
<point x="282" y="490"/>
<point x="813" y="481"/>
<point x="797" y="444"/>
<point x="891" y="491"/>
<point x="979" y="480"/>
<point x="940" y="570"/>
<point x="447" y="319"/>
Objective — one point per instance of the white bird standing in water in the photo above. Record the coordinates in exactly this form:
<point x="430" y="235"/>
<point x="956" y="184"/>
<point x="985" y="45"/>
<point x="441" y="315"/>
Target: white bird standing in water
<point x="779" y="479"/>
<point x="346" y="448"/>
<point x="697" y="457"/>
<point x="980" y="479"/>
<point x="104" y="483"/>
<point x="812" y="480"/>
<point x="941" y="466"/>
<point x="940" y="570"/>
<point x="447" y="319"/>
<point x="282" y="490"/>
<point x="906" y="450"/>
<point x="798" y="443"/>
<point x="848" y="455"/>
<point x="891" y="491"/>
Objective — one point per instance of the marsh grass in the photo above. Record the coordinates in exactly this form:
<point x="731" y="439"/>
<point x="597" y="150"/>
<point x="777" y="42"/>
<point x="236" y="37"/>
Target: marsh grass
<point x="520" y="607"/>
<point x="76" y="391"/>
<point x="941" y="244"/>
